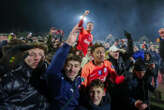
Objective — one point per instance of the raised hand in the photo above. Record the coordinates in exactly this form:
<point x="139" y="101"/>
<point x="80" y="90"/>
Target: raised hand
<point x="143" y="106"/>
<point x="73" y="35"/>
<point x="127" y="34"/>
<point x="86" y="12"/>
<point x="138" y="103"/>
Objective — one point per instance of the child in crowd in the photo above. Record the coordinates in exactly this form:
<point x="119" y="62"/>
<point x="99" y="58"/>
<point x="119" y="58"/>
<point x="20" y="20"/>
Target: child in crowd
<point x="97" y="98"/>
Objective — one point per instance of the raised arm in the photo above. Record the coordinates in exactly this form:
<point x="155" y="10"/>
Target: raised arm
<point x="60" y="56"/>
<point x="82" y="18"/>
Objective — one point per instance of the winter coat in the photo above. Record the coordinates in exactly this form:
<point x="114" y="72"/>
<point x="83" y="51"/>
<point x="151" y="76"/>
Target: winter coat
<point x="122" y="67"/>
<point x="64" y="92"/>
<point x="18" y="92"/>
<point x="3" y="43"/>
<point x="161" y="49"/>
<point x="138" y="90"/>
<point x="138" y="54"/>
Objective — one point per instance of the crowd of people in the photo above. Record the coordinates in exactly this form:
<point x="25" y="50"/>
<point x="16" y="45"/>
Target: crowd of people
<point x="50" y="73"/>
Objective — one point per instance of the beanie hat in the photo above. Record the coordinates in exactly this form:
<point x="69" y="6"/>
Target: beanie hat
<point x="139" y="65"/>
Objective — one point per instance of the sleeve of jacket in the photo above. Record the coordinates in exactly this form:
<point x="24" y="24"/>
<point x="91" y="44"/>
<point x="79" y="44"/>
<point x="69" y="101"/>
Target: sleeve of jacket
<point x="7" y="87"/>
<point x="58" y="60"/>
<point x="114" y="77"/>
<point x="129" y="52"/>
<point x="132" y="100"/>
<point x="85" y="74"/>
<point x="130" y="46"/>
<point x="161" y="49"/>
<point x="81" y="24"/>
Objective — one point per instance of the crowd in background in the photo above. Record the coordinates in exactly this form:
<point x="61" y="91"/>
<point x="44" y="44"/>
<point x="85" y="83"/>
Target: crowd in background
<point x="50" y="73"/>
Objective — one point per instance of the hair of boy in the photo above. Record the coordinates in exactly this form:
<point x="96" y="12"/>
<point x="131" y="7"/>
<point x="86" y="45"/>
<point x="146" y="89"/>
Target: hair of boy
<point x="73" y="57"/>
<point x="40" y="45"/>
<point x="96" y="45"/>
<point x="73" y="50"/>
<point x="90" y="22"/>
<point x="96" y="83"/>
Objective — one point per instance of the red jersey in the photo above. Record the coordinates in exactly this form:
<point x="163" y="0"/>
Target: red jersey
<point x="85" y="39"/>
<point x="91" y="72"/>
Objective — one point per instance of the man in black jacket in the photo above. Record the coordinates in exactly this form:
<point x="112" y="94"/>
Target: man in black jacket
<point x="122" y="64"/>
<point x="138" y="88"/>
<point x="161" y="33"/>
<point x="20" y="88"/>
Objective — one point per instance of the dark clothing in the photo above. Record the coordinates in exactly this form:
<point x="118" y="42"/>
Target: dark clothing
<point x="119" y="93"/>
<point x="119" y="65"/>
<point x="119" y="96"/>
<point x="3" y="43"/>
<point x="161" y="67"/>
<point x="150" y="75"/>
<point x="17" y="91"/>
<point x="155" y="57"/>
<point x="13" y="56"/>
<point x="64" y="92"/>
<point x="161" y="49"/>
<point x="104" y="105"/>
<point x="138" y="90"/>
<point x="123" y="64"/>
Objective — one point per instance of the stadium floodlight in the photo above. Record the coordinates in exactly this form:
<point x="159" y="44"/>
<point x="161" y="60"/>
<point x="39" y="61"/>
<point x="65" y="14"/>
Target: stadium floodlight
<point x="85" y="19"/>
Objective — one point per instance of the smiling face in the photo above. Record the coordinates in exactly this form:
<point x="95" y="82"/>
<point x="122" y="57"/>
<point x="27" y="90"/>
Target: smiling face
<point x="34" y="57"/>
<point x="99" y="55"/>
<point x="115" y="54"/>
<point x="96" y="94"/>
<point x="90" y="26"/>
<point x="72" y="69"/>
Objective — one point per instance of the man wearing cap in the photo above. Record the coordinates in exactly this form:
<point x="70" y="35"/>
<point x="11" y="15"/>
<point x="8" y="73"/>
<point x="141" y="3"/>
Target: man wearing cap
<point x="122" y="64"/>
<point x="137" y="88"/>
<point x="118" y="91"/>
<point x="120" y="57"/>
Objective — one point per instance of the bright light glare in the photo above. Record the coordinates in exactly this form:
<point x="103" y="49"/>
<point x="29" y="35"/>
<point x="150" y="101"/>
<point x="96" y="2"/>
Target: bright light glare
<point x="84" y="18"/>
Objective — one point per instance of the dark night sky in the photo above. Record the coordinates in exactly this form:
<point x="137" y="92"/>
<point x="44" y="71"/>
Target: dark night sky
<point x="140" y="17"/>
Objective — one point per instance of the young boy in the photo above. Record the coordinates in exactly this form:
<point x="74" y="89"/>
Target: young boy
<point x="98" y="100"/>
<point x="63" y="76"/>
<point x="85" y="37"/>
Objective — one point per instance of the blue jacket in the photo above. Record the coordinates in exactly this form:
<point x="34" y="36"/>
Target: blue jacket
<point x="138" y="54"/>
<point x="64" y="92"/>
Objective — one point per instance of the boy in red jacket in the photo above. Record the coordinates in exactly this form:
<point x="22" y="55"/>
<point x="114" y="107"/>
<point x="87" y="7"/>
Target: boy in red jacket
<point x="85" y="37"/>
